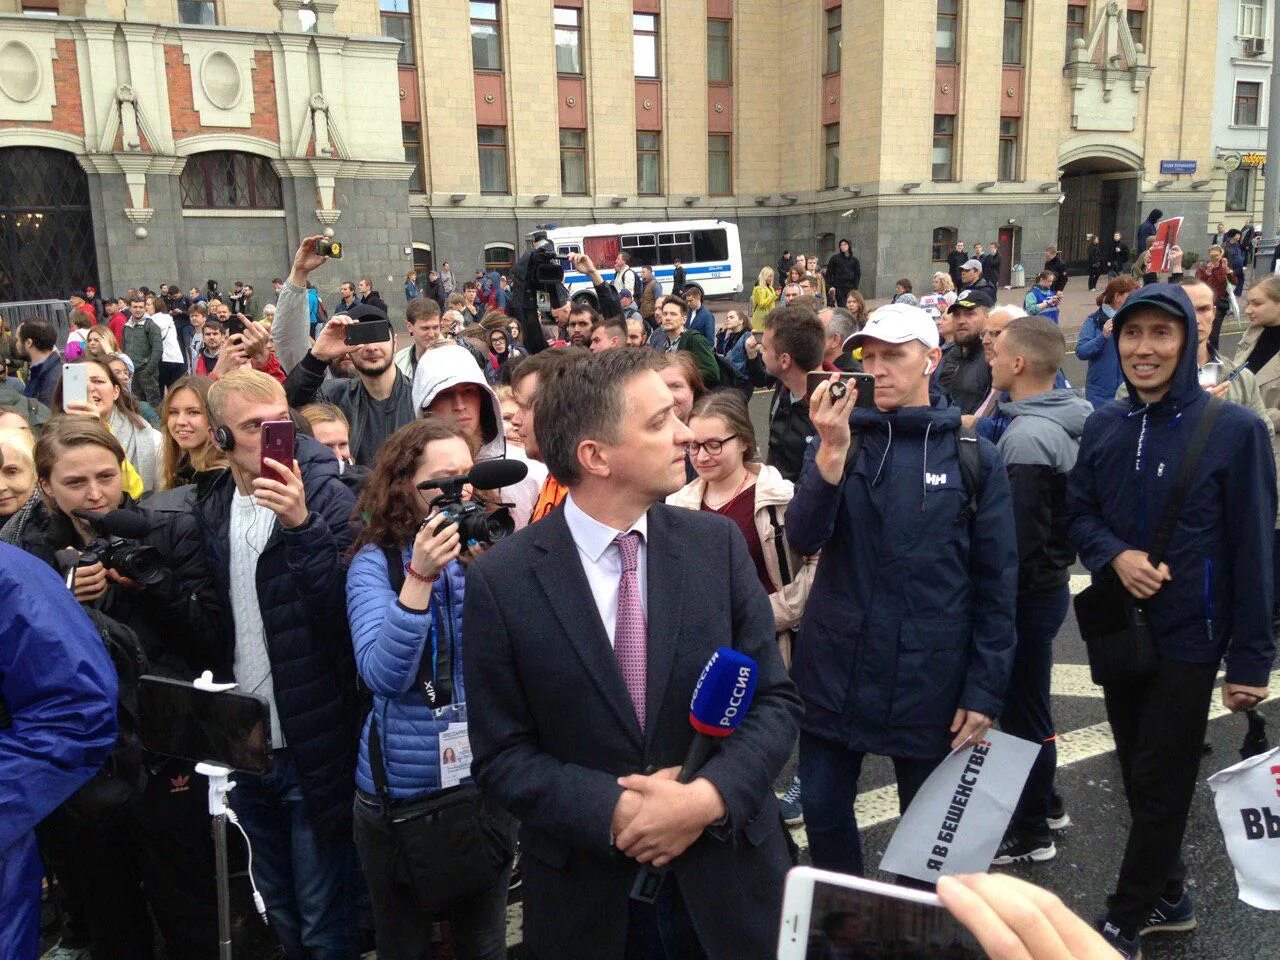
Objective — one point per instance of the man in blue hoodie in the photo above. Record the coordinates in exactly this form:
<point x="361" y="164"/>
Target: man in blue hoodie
<point x="907" y="639"/>
<point x="1210" y="598"/>
<point x="1039" y="445"/>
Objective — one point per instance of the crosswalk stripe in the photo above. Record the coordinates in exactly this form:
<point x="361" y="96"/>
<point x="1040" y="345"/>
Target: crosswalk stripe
<point x="881" y="804"/>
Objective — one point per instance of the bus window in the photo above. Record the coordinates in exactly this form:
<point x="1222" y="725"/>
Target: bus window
<point x="710" y="245"/>
<point x="642" y="248"/>
<point x="675" y="246"/>
<point x="603" y="251"/>
<point x="564" y="249"/>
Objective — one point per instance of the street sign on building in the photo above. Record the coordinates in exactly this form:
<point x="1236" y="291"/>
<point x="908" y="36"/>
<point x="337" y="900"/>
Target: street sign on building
<point x="1178" y="166"/>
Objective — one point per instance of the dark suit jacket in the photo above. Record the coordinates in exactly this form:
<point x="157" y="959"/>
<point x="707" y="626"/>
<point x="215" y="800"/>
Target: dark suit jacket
<point x="552" y="728"/>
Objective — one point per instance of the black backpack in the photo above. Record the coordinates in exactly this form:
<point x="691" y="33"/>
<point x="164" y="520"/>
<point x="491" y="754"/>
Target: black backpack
<point x="972" y="473"/>
<point x="123" y="777"/>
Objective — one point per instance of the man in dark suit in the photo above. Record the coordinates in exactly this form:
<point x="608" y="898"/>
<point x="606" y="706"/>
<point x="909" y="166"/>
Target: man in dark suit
<point x="584" y="644"/>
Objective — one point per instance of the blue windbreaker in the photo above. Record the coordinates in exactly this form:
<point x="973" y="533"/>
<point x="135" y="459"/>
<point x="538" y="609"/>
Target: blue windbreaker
<point x="390" y="641"/>
<point x="59" y="687"/>
<point x="911" y="611"/>
<point x="1104" y="376"/>
<point x="1219" y="601"/>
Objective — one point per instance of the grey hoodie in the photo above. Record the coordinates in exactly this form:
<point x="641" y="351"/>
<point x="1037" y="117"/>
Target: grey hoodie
<point x="1039" y="448"/>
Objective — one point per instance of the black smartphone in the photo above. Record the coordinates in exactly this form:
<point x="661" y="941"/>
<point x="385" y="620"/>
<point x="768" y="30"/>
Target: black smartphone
<point x="367" y="331"/>
<point x="230" y="728"/>
<point x="864" y="383"/>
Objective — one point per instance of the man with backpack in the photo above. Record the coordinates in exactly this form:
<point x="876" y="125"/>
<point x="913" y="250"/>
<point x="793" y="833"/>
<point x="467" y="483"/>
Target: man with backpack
<point x="907" y="641"/>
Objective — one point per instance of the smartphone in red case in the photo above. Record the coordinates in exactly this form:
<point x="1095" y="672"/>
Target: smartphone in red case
<point x="277" y="443"/>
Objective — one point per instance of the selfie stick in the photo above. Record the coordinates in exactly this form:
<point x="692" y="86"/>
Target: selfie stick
<point x="220" y="785"/>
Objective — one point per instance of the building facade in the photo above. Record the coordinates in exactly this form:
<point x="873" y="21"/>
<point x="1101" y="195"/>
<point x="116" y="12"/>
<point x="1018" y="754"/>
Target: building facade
<point x="139" y="149"/>
<point x="1025" y="123"/>
<point x="1241" y="99"/>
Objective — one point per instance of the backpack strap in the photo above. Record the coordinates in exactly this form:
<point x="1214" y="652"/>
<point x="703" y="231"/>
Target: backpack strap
<point x="779" y="543"/>
<point x="435" y="676"/>
<point x="972" y="474"/>
<point x="851" y="455"/>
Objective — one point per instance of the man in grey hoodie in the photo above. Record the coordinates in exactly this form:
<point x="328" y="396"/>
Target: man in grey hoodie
<point x="1039" y="448"/>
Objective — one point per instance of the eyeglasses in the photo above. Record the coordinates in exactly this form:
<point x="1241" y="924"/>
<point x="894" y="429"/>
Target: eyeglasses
<point x="713" y="447"/>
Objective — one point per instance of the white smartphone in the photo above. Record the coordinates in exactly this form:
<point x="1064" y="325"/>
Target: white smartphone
<point x="827" y="915"/>
<point x="75" y="383"/>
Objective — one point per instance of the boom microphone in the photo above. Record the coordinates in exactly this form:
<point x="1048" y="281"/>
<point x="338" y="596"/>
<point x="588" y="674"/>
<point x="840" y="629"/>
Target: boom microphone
<point x="720" y="702"/>
<point x="495" y="474"/>
<point x="485" y="475"/>
<point x="126" y="524"/>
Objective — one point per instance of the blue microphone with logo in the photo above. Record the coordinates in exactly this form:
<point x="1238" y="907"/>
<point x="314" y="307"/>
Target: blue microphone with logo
<point x="720" y="702"/>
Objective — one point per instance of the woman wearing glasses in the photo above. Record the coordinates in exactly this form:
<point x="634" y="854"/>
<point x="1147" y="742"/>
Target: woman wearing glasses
<point x="735" y="484"/>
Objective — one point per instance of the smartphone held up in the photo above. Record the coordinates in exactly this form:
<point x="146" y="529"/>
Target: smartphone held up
<point x="277" y="444"/>
<point x="863" y="383"/>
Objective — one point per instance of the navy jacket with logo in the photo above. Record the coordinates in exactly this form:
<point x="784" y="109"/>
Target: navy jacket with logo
<point x="911" y="612"/>
<point x="1219" y="601"/>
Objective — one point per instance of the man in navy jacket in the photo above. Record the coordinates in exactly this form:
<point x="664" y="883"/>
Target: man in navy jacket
<point x="1211" y="597"/>
<point x="907" y="640"/>
<point x="276" y="551"/>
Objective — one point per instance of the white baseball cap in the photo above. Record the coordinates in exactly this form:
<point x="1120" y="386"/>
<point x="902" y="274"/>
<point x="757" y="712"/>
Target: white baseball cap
<point x="899" y="323"/>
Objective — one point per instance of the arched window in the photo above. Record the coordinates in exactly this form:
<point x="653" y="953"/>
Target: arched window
<point x="225" y="179"/>
<point x="944" y="241"/>
<point x="499" y="256"/>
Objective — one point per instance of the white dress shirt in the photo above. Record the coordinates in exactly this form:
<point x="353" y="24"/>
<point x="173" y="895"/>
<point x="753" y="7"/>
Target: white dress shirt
<point x="602" y="561"/>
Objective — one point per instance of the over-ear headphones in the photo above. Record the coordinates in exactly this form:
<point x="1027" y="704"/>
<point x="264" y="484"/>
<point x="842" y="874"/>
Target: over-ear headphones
<point x="224" y="439"/>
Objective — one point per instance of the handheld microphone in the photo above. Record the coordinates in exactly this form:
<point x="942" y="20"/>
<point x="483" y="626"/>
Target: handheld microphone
<point x="720" y="702"/>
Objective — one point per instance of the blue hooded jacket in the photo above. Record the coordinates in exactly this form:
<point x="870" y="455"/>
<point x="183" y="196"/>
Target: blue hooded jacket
<point x="59" y="686"/>
<point x="1220" y="556"/>
<point x="911" y="612"/>
<point x="390" y="641"/>
<point x="1104" y="376"/>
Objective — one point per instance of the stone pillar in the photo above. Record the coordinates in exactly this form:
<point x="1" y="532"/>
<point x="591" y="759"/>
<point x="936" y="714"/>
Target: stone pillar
<point x="289" y="22"/>
<point x="325" y="11"/>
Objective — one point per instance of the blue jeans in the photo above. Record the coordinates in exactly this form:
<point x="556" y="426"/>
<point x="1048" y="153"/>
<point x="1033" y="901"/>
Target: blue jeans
<point x="828" y="788"/>
<point x="1026" y="711"/>
<point x="307" y="881"/>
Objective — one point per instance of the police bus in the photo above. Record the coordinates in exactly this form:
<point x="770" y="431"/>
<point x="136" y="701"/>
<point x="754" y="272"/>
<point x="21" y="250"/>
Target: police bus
<point x="707" y="249"/>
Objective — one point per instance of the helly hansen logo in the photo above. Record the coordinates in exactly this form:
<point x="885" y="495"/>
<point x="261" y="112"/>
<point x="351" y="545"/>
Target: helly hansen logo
<point x="935" y="479"/>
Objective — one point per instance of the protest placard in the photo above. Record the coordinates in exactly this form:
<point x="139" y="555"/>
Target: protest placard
<point x="956" y="821"/>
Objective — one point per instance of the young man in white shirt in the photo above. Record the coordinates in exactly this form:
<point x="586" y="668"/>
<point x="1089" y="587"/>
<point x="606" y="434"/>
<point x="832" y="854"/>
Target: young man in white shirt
<point x="276" y="550"/>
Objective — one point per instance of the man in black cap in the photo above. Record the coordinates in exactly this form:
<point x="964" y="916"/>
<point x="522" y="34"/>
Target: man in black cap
<point x="965" y="373"/>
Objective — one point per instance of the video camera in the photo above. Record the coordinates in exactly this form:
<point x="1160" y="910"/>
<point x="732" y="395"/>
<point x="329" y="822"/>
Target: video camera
<point x="537" y="279"/>
<point x="474" y="518"/>
<point x="114" y="547"/>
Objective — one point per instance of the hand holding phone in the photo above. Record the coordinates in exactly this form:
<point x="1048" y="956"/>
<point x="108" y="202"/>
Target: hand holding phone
<point x="359" y="333"/>
<point x="863" y="383"/>
<point x="75" y="385"/>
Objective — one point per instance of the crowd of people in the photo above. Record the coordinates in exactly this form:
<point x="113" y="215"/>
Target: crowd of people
<point x="894" y="556"/>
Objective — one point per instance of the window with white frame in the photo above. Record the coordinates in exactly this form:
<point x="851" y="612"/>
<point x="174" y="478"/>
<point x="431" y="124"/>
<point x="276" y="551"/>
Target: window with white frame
<point x="1252" y="20"/>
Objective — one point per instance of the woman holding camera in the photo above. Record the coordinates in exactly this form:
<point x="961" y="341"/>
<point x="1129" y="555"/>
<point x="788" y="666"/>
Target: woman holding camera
<point x="404" y="599"/>
<point x="141" y="849"/>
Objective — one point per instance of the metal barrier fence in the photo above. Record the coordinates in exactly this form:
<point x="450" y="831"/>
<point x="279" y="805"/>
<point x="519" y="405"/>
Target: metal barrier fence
<point x="56" y="312"/>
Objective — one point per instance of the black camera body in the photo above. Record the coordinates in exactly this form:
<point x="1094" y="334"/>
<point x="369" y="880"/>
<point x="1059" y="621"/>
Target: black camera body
<point x="328" y="247"/>
<point x="137" y="561"/>
<point x="116" y="546"/>
<point x="537" y="272"/>
<point x="475" y="518"/>
<point x="477" y="522"/>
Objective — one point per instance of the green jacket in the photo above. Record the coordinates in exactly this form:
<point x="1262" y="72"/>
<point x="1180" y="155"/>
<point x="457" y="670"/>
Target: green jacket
<point x="695" y="343"/>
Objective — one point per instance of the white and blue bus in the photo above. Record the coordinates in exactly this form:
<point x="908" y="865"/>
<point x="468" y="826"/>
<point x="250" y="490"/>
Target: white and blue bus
<point x="708" y="250"/>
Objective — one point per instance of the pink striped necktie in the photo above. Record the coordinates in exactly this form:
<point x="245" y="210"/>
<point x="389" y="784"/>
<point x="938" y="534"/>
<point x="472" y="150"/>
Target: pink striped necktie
<point x="631" y="633"/>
